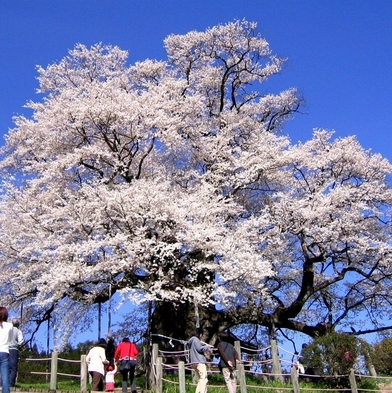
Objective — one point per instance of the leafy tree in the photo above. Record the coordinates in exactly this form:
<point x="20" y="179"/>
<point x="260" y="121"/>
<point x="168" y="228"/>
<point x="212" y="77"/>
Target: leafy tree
<point x="382" y="356"/>
<point x="332" y="354"/>
<point x="171" y="183"/>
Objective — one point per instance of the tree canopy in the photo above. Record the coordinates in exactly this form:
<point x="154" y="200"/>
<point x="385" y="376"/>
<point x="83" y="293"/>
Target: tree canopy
<point x="381" y="356"/>
<point x="173" y="182"/>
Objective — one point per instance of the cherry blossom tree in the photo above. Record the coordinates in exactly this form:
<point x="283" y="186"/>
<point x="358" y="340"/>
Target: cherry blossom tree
<point x="171" y="182"/>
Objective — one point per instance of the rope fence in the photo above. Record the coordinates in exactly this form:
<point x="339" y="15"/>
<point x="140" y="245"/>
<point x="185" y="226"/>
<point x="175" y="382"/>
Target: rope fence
<point x="255" y="363"/>
<point x="251" y="366"/>
<point x="53" y="372"/>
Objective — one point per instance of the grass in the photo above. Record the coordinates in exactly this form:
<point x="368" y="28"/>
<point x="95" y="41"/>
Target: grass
<point x="67" y="385"/>
<point x="216" y="385"/>
<point x="72" y="384"/>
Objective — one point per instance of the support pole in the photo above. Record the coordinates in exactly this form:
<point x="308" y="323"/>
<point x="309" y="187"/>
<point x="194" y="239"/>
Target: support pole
<point x="99" y="320"/>
<point x="158" y="382"/>
<point x="153" y="366"/>
<point x="110" y="310"/>
<point x="181" y="376"/>
<point x="353" y="382"/>
<point x="294" y="379"/>
<point x="53" y="371"/>
<point x="83" y="374"/>
<point x="241" y="377"/>
<point x="276" y="366"/>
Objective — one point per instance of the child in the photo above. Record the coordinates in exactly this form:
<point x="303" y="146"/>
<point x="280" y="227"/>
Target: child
<point x="109" y="378"/>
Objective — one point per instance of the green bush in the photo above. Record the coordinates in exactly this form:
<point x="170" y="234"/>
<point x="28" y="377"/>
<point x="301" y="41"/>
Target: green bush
<point x="382" y="356"/>
<point x="367" y="384"/>
<point x="333" y="354"/>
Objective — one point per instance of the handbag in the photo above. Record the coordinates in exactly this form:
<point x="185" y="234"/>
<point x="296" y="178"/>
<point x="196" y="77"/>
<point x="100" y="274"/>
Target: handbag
<point x="125" y="365"/>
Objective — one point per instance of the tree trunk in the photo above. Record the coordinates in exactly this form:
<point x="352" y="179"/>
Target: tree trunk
<point x="172" y="321"/>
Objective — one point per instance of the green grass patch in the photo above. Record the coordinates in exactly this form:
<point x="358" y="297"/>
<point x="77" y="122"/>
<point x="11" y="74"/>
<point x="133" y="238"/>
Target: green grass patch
<point x="71" y="385"/>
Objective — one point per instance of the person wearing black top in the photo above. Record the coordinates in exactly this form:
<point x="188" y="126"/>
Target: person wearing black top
<point x="228" y="361"/>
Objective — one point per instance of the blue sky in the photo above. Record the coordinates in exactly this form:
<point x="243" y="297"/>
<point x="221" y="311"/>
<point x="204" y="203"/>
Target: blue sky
<point x="339" y="51"/>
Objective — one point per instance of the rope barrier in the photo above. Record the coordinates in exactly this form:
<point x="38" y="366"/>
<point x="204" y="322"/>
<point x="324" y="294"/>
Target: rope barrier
<point x="268" y="387"/>
<point x="374" y="390"/>
<point x="251" y="367"/>
<point x="172" y="353"/>
<point x="69" y="360"/>
<point x="47" y="373"/>
<point x="170" y="338"/>
<point x="39" y="372"/>
<point x="286" y="361"/>
<point x="188" y="366"/>
<point x="256" y="350"/>
<point x="326" y="389"/>
<point x="39" y="359"/>
<point x="69" y="375"/>
<point x="170" y="381"/>
<point x="266" y="374"/>
<point x="249" y="351"/>
<point x="290" y="353"/>
<point x="371" y="376"/>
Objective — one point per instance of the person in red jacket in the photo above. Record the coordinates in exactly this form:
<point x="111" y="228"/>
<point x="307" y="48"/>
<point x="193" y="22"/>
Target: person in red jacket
<point x="125" y="355"/>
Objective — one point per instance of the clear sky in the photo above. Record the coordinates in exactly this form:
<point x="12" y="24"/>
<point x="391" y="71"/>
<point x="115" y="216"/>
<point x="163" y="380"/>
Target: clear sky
<point x="339" y="51"/>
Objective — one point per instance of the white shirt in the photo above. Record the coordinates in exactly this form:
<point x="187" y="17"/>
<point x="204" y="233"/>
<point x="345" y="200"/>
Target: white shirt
<point x="16" y="338"/>
<point x="5" y="336"/>
<point x="109" y="377"/>
<point x="96" y="358"/>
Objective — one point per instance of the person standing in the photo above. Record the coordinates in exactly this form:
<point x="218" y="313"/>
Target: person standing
<point x="198" y="359"/>
<point x="5" y="338"/>
<point x="109" y="378"/>
<point x="305" y="360"/>
<point x="227" y="363"/>
<point x="298" y="365"/>
<point x="125" y="355"/>
<point x="110" y="349"/>
<point x="96" y="361"/>
<point x="16" y="342"/>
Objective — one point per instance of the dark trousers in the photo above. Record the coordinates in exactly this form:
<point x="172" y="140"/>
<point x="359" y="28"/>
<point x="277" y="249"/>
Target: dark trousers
<point x="14" y="362"/>
<point x="97" y="381"/>
<point x="128" y="374"/>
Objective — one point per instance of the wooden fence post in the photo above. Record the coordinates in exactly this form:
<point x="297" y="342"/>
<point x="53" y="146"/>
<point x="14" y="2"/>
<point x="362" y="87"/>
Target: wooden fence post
<point x="241" y="377"/>
<point x="154" y="357"/>
<point x="158" y="369"/>
<point x="276" y="366"/>
<point x="294" y="379"/>
<point x="237" y="346"/>
<point x="53" y="371"/>
<point x="83" y="373"/>
<point x="240" y="368"/>
<point x="181" y="376"/>
<point x="353" y="382"/>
